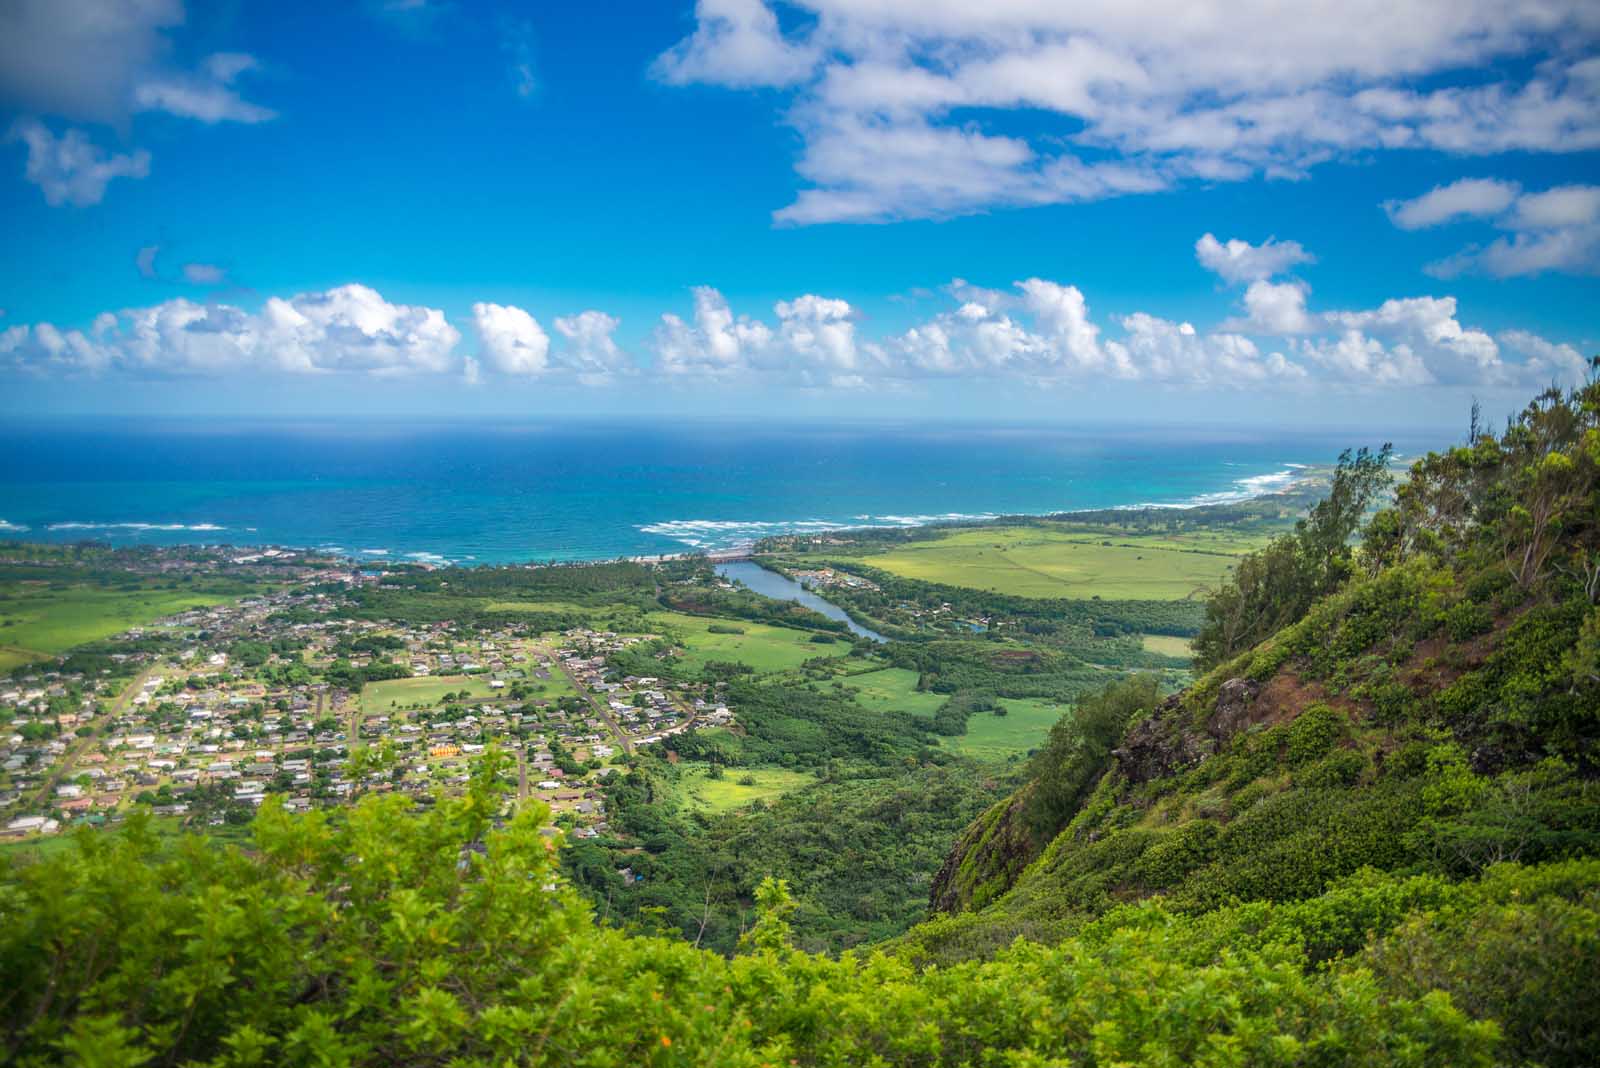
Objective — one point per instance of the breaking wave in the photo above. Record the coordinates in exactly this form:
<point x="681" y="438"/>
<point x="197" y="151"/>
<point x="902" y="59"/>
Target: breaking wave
<point x="715" y="534"/>
<point x="199" y="527"/>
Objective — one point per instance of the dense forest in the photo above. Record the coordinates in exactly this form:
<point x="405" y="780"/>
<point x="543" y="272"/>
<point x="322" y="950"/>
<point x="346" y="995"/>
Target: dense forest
<point x="1369" y="834"/>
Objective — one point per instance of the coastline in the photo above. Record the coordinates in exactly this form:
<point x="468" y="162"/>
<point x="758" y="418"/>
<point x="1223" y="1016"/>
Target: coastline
<point x="1287" y="480"/>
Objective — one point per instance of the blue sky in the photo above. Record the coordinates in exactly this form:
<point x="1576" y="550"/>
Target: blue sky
<point x="1349" y="212"/>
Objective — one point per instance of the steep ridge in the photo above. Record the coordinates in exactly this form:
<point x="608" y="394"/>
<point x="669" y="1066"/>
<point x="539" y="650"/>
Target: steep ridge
<point x="1438" y="714"/>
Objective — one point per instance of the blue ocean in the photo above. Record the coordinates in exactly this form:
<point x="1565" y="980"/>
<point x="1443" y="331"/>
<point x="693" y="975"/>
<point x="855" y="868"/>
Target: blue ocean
<point x="500" y="492"/>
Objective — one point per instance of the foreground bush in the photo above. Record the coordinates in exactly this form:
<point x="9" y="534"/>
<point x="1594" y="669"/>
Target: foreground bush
<point x="395" y="937"/>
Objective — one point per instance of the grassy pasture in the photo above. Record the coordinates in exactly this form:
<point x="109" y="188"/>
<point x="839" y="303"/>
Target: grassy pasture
<point x="536" y="607"/>
<point x="40" y="619"/>
<point x="1166" y="645"/>
<point x="994" y="738"/>
<point x="377" y="696"/>
<point x="761" y="646"/>
<point x="716" y="796"/>
<point x="893" y="689"/>
<point x="1032" y="561"/>
<point x="29" y="850"/>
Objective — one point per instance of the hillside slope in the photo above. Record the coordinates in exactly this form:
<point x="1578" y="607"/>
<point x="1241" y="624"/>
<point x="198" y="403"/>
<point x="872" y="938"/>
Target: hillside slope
<point x="1438" y="713"/>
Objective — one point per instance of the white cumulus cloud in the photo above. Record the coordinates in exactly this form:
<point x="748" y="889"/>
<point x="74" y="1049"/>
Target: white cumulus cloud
<point x="350" y="328"/>
<point x="71" y="169"/>
<point x="1239" y="261"/>
<point x="893" y="98"/>
<point x="511" y="340"/>
<point x="207" y="95"/>
<point x="1556" y="229"/>
<point x="1467" y="198"/>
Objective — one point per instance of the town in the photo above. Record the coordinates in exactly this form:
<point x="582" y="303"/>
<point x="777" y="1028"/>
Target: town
<point x="277" y="695"/>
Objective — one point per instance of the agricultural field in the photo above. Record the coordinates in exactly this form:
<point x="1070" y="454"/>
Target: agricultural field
<point x="716" y="796"/>
<point x="893" y="689"/>
<point x="996" y="738"/>
<point x="1040" y="562"/>
<point x="39" y="619"/>
<point x="380" y="697"/>
<point x="760" y="646"/>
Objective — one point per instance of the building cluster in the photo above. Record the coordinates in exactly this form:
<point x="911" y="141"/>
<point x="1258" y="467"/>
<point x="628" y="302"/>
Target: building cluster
<point x="828" y="578"/>
<point x="214" y="710"/>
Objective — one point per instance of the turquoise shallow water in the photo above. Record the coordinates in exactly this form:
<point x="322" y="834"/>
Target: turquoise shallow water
<point x="570" y="491"/>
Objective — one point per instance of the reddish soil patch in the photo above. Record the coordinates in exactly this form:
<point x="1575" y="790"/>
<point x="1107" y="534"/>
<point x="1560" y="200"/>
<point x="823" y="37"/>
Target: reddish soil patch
<point x="1286" y="695"/>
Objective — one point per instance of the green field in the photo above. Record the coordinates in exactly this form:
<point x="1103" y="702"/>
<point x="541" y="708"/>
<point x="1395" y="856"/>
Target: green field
<point x="27" y="850"/>
<point x="1023" y="727"/>
<point x="556" y="686"/>
<point x="38" y="620"/>
<point x="1039" y="562"/>
<point x="893" y="689"/>
<point x="377" y="697"/>
<point x="726" y="794"/>
<point x="761" y="646"/>
<point x="533" y="607"/>
<point x="10" y="658"/>
<point x="1167" y="645"/>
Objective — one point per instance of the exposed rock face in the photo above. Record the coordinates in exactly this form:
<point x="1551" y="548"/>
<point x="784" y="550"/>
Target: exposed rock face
<point x="1161" y="744"/>
<point x="988" y="858"/>
<point x="1235" y="708"/>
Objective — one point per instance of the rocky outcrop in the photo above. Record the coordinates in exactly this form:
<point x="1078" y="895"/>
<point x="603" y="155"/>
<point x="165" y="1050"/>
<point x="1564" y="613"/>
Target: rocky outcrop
<point x="988" y="858"/>
<point x="1235" y="709"/>
<point x="1163" y="743"/>
<point x="996" y="849"/>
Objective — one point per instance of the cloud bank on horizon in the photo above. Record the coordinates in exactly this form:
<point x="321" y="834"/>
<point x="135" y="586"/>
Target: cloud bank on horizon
<point x="1038" y="331"/>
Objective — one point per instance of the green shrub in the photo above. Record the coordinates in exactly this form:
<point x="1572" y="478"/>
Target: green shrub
<point x="1343" y="767"/>
<point x="1313" y="732"/>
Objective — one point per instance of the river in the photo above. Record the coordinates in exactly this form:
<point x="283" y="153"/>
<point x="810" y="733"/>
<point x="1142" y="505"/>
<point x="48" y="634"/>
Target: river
<point x="781" y="588"/>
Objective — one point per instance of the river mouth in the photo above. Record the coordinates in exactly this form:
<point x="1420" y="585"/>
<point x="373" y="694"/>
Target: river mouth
<point x="758" y="579"/>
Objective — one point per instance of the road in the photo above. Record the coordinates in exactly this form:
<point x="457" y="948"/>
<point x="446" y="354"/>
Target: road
<point x="600" y="710"/>
<point x="64" y="765"/>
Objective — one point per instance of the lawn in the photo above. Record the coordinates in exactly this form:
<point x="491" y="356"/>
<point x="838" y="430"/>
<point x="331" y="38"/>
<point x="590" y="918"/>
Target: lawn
<point x="760" y="646"/>
<point x="1039" y="562"/>
<point x="893" y="689"/>
<point x="727" y="793"/>
<point x="376" y="697"/>
<point x="994" y="738"/>
<point x="37" y="620"/>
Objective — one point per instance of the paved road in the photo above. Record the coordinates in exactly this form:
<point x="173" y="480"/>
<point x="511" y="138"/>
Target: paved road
<point x="64" y="765"/>
<point x="600" y="709"/>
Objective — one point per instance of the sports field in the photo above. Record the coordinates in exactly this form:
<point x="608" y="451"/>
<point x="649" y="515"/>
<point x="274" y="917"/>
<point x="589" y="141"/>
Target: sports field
<point x="759" y="646"/>
<point x="378" y="697"/>
<point x="1039" y="562"/>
